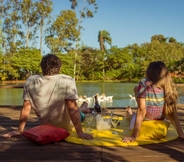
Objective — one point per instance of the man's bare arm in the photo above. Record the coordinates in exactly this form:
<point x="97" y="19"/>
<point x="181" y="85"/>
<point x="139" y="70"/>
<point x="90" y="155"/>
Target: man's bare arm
<point x="24" y="115"/>
<point x="23" y="119"/>
<point x="75" y="117"/>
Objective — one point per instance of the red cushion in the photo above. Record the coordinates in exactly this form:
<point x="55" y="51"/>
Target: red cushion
<point x="44" y="134"/>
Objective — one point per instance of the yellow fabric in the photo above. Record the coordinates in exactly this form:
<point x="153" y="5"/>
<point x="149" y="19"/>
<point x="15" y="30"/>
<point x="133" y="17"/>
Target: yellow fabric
<point x="153" y="129"/>
<point x="106" y="138"/>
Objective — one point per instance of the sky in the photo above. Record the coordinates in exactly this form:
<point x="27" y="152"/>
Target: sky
<point x="130" y="21"/>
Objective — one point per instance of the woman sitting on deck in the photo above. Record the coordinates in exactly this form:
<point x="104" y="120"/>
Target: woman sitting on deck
<point x="156" y="96"/>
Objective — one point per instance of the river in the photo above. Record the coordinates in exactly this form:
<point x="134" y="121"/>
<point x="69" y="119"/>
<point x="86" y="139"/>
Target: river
<point x="119" y="91"/>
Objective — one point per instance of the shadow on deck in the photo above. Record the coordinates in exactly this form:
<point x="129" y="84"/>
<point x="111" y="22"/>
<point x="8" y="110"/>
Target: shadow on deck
<point x="17" y="149"/>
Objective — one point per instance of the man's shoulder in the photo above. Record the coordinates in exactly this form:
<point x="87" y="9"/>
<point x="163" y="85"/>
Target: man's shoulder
<point x="64" y="76"/>
<point x="41" y="78"/>
<point x="34" y="77"/>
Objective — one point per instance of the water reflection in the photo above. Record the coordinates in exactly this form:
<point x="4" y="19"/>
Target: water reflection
<point x="11" y="96"/>
<point x="119" y="91"/>
<point x="181" y="94"/>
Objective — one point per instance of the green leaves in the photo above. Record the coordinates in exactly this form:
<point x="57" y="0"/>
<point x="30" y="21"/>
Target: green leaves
<point x="104" y="37"/>
<point x="26" y="61"/>
<point x="63" y="32"/>
<point x="89" y="7"/>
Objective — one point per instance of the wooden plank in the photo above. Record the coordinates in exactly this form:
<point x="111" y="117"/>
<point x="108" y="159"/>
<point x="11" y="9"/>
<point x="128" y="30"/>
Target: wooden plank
<point x="19" y="149"/>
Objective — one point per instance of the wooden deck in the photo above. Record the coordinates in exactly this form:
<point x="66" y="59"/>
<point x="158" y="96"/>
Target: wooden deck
<point x="19" y="149"/>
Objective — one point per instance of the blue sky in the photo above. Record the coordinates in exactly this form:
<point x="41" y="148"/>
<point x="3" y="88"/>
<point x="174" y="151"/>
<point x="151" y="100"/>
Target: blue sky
<point x="131" y="21"/>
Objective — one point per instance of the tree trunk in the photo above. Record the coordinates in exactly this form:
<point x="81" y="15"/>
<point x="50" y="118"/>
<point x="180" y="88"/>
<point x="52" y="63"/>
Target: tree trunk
<point x="41" y="33"/>
<point x="74" y="70"/>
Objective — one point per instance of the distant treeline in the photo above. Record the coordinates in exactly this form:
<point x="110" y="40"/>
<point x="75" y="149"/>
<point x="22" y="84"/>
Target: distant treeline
<point x="126" y="64"/>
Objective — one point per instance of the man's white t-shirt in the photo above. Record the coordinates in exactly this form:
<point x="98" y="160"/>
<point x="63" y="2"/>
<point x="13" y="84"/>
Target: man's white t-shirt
<point x="47" y="95"/>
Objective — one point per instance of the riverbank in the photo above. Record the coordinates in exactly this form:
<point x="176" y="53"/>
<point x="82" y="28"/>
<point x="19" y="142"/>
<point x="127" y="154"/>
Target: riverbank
<point x="13" y="81"/>
<point x="84" y="81"/>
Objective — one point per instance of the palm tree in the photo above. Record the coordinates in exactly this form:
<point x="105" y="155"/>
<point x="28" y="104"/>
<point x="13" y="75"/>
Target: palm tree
<point x="104" y="37"/>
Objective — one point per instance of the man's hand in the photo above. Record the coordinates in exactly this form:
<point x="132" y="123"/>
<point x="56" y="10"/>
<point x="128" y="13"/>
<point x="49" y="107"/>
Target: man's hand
<point x="128" y="139"/>
<point x="85" y="136"/>
<point x="11" y="134"/>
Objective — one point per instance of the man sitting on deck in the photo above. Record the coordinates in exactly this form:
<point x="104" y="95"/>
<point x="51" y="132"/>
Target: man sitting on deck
<point x="53" y="98"/>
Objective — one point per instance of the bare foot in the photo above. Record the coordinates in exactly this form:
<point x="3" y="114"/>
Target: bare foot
<point x="129" y="112"/>
<point x="84" y="107"/>
<point x="131" y="117"/>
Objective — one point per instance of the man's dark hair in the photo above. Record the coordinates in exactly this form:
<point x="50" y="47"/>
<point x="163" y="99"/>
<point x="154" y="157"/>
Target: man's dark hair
<point x="50" y="64"/>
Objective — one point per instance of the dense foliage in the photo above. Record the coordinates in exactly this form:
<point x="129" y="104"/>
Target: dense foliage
<point x="20" y="56"/>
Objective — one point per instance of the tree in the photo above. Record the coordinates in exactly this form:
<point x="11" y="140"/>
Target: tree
<point x="172" y="40"/>
<point x="2" y="14"/>
<point x="1" y="40"/>
<point x="89" y="62"/>
<point x="25" y="63"/>
<point x="44" y="8"/>
<point x="120" y="64"/>
<point x="11" y="26"/>
<point x="89" y="7"/>
<point x="23" y="13"/>
<point x="29" y="18"/>
<point x="159" y="38"/>
<point x="104" y="37"/>
<point x="67" y="63"/>
<point x="63" y="32"/>
<point x="1" y="55"/>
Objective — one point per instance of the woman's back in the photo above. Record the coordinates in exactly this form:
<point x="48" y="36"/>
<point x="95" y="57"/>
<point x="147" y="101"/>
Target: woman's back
<point x="154" y="98"/>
